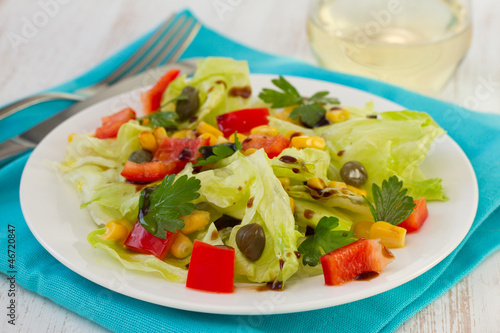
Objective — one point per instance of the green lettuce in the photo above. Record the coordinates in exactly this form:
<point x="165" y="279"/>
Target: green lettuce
<point x="251" y="179"/>
<point x="394" y="144"/>
<point x="214" y="79"/>
<point x="137" y="261"/>
<point x="310" y="163"/>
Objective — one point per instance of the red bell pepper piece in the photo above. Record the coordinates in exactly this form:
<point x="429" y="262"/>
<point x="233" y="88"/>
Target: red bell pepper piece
<point x="363" y="258"/>
<point x="144" y="173"/>
<point x="211" y="268"/>
<point x="140" y="240"/>
<point x="111" y="124"/>
<point x="242" y="121"/>
<point x="151" y="99"/>
<point x="417" y="218"/>
<point x="273" y="145"/>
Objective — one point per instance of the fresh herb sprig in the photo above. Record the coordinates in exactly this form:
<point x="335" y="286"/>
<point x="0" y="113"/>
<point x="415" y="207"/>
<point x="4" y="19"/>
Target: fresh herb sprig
<point x="391" y="204"/>
<point x="310" y="110"/>
<point x="160" y="210"/>
<point x="160" y="118"/>
<point x="324" y="240"/>
<point x="220" y="152"/>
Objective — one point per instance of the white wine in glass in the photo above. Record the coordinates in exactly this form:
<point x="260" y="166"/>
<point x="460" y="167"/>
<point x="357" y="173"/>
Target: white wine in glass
<point x="416" y="44"/>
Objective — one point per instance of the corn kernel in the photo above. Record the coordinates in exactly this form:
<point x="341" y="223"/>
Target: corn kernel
<point x="362" y="229"/>
<point x="316" y="183"/>
<point x="148" y="141"/>
<point x="116" y="231"/>
<point x="282" y="116"/>
<point x="337" y="116"/>
<point x="70" y="137"/>
<point x="203" y="127"/>
<point x="195" y="221"/>
<point x="160" y="133"/>
<point x="358" y="191"/>
<point x="290" y="134"/>
<point x="264" y="130"/>
<point x="249" y="151"/>
<point x="182" y="246"/>
<point x="292" y="204"/>
<point x="285" y="181"/>
<point x="334" y="184"/>
<point x="146" y="121"/>
<point x="222" y="139"/>
<point x="392" y="236"/>
<point x="308" y="142"/>
<point x="212" y="140"/>
<point x="241" y="137"/>
<point x="185" y="133"/>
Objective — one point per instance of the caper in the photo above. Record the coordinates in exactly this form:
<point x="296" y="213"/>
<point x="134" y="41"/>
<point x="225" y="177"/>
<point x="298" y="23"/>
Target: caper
<point x="187" y="108"/>
<point x="226" y="221"/>
<point x="208" y="151"/>
<point x="251" y="241"/>
<point x="140" y="156"/>
<point x="354" y="173"/>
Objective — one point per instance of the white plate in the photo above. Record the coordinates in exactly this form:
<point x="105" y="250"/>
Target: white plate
<point x="51" y="209"/>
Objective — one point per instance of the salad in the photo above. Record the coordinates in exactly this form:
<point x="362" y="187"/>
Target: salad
<point x="213" y="185"/>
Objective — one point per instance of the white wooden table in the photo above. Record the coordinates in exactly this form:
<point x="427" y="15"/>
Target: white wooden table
<point x="73" y="36"/>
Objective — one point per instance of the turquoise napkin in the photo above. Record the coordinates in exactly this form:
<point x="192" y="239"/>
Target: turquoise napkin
<point x="37" y="270"/>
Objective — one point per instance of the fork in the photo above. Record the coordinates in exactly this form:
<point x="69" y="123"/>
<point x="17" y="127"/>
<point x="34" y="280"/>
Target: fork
<point x="166" y="45"/>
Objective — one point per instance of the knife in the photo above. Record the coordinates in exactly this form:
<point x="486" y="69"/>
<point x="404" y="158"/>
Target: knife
<point x="28" y="140"/>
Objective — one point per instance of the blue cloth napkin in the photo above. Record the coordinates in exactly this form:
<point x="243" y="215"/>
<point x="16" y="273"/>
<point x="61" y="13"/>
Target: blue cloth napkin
<point x="37" y="270"/>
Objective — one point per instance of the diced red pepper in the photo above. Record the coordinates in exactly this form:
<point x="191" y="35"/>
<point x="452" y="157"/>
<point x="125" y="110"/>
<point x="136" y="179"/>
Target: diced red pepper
<point x="111" y="124"/>
<point x="211" y="268"/>
<point x="415" y="221"/>
<point x="170" y="158"/>
<point x="273" y="145"/>
<point x="242" y="121"/>
<point x="363" y="257"/>
<point x="151" y="99"/>
<point x="140" y="240"/>
<point x="175" y="153"/>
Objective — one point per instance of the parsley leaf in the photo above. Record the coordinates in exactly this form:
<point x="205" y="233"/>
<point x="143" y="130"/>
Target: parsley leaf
<point x="220" y="152"/>
<point x="392" y="205"/>
<point x="309" y="114"/>
<point x="290" y="96"/>
<point x="166" y="202"/>
<point x="324" y="240"/>
<point x="163" y="119"/>
<point x="309" y="110"/>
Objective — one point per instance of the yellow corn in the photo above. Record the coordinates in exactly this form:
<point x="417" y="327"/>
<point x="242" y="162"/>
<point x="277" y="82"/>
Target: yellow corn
<point x="203" y="127"/>
<point x="117" y="230"/>
<point x="308" y="142"/>
<point x="160" y="133"/>
<point x="212" y="140"/>
<point x="146" y="121"/>
<point x="292" y="204"/>
<point x="222" y="139"/>
<point x="148" y="141"/>
<point x="285" y="181"/>
<point x="241" y="137"/>
<point x="293" y="133"/>
<point x="316" y="183"/>
<point x="282" y="116"/>
<point x="196" y="221"/>
<point x="337" y="116"/>
<point x="358" y="191"/>
<point x="185" y="133"/>
<point x="392" y="236"/>
<point x="362" y="229"/>
<point x="264" y="130"/>
<point x="182" y="246"/>
<point x="70" y="137"/>
<point x="334" y="184"/>
<point x="249" y="151"/>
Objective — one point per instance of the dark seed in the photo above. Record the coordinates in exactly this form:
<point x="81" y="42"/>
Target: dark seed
<point x="288" y="159"/>
<point x="226" y="221"/>
<point x="251" y="241"/>
<point x="185" y="154"/>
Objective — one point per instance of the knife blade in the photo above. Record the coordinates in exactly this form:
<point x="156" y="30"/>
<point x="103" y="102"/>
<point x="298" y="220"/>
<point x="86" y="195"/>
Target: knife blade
<point x="32" y="137"/>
